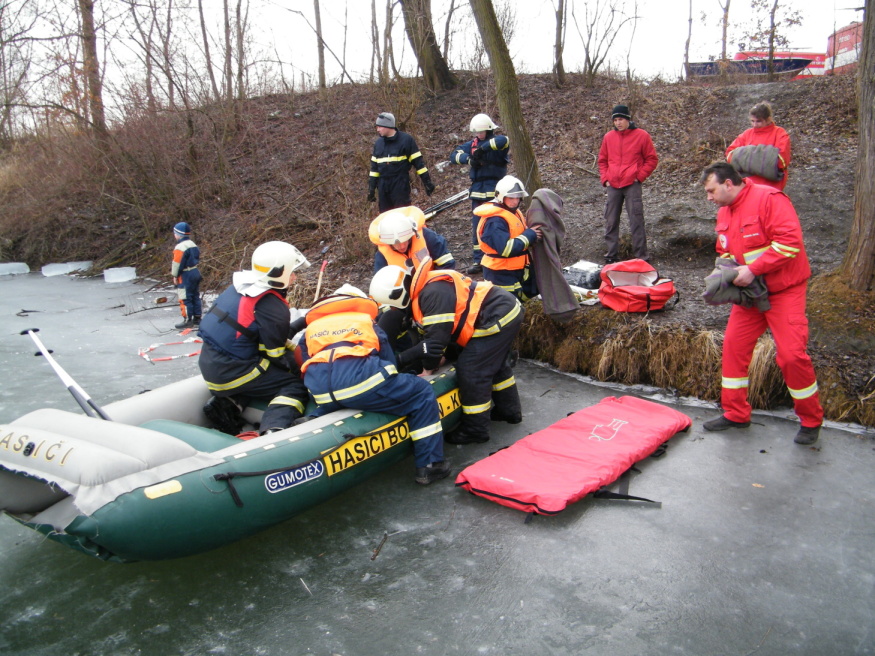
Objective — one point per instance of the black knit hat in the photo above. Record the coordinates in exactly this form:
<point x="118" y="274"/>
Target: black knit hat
<point x="621" y="111"/>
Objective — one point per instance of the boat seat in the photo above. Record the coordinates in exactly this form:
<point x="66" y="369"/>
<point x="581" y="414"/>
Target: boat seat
<point x="198" y="437"/>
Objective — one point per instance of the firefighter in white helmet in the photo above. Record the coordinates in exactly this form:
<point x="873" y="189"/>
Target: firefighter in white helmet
<point x="474" y="318"/>
<point x="401" y="235"/>
<point x="506" y="240"/>
<point x="487" y="154"/>
<point x="244" y="355"/>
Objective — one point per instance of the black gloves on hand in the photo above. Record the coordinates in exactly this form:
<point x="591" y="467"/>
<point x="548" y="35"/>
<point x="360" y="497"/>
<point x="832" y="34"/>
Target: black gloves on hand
<point x="428" y="184"/>
<point x="476" y="158"/>
<point x="372" y="195"/>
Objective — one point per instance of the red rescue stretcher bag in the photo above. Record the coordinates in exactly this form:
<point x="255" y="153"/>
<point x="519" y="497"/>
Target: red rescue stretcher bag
<point x="561" y="464"/>
<point x="634" y="286"/>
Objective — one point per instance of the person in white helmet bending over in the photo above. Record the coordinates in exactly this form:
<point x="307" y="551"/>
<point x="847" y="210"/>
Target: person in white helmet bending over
<point x="487" y="155"/>
<point x="401" y="235"/>
<point x="506" y="240"/>
<point x="244" y="355"/>
<point x="474" y="318"/>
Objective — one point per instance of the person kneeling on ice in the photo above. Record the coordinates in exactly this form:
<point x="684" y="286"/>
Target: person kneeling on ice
<point x="401" y="234"/>
<point x="479" y="318"/>
<point x="347" y="363"/>
<point x="244" y="355"/>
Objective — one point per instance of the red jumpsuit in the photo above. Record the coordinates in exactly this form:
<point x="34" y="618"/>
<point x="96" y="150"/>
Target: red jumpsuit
<point x="761" y="229"/>
<point x="769" y="135"/>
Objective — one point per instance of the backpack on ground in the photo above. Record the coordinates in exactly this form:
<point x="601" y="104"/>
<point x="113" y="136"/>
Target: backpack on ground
<point x="635" y="286"/>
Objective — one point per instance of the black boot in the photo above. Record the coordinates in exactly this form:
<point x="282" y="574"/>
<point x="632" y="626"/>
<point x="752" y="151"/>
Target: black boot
<point x="186" y="323"/>
<point x="224" y="414"/>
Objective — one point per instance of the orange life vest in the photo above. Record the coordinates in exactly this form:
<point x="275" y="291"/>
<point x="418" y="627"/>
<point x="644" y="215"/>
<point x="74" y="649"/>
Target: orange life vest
<point x="417" y="249"/>
<point x="469" y="299"/>
<point x="516" y="224"/>
<point x="341" y="327"/>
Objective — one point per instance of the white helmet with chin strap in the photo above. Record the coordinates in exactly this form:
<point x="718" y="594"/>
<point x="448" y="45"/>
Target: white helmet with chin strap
<point x="509" y="187"/>
<point x="274" y="262"/>
<point x="391" y="286"/>
<point x="396" y="227"/>
<point x="482" y="123"/>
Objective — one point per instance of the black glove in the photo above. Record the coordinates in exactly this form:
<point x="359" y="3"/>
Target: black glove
<point x="476" y="159"/>
<point x="372" y="195"/>
<point x="428" y="184"/>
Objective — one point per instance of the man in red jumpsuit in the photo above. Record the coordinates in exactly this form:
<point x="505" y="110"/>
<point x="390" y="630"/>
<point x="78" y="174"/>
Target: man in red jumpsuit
<point x="757" y="227"/>
<point x="764" y="132"/>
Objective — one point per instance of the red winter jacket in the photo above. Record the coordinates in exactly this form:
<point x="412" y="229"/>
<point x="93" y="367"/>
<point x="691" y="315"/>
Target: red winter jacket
<point x="770" y="135"/>
<point x="626" y="156"/>
<point x="761" y="229"/>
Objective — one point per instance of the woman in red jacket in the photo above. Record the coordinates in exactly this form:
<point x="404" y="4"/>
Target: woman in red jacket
<point x="764" y="132"/>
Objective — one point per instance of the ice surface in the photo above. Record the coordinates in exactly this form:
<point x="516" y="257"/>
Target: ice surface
<point x="63" y="268"/>
<point x="119" y="274"/>
<point x="13" y="268"/>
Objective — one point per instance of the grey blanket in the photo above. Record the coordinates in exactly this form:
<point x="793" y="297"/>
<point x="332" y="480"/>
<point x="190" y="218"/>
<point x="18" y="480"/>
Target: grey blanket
<point x="762" y="160"/>
<point x="556" y="295"/>
<point x="720" y="290"/>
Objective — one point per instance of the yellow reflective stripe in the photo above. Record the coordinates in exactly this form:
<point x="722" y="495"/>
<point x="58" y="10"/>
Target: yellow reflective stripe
<point x="384" y="160"/>
<point x="734" y="383"/>
<point x="287" y="400"/>
<point x="252" y="375"/>
<point x="786" y="251"/>
<point x="458" y="156"/>
<point x="438" y="318"/>
<point x="501" y="323"/>
<point x="477" y="247"/>
<point x="751" y="256"/>
<point x="482" y="194"/>
<point x="364" y="386"/>
<point x="510" y="382"/>
<point x="424" y="169"/>
<point x="414" y="155"/>
<point x="510" y="288"/>
<point x="492" y="144"/>
<point x="375" y="174"/>
<point x="803" y="393"/>
<point x="443" y="259"/>
<point x="476" y="409"/>
<point x="426" y="431"/>
<point x="272" y="353"/>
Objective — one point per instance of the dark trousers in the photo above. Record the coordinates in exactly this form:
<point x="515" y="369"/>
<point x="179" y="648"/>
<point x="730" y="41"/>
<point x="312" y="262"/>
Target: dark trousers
<point x="394" y="192"/>
<point x="484" y="375"/>
<point x="631" y="195"/>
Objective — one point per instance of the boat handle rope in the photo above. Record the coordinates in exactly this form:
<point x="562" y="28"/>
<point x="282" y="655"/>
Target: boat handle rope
<point x="231" y="475"/>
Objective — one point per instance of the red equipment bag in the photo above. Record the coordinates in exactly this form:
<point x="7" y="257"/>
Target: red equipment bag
<point x="634" y="286"/>
<point x="591" y="448"/>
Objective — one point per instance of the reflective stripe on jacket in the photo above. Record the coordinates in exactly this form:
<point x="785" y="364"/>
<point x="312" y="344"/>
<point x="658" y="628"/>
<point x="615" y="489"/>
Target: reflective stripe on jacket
<point x="516" y="225"/>
<point x="469" y="299"/>
<point x="341" y="327"/>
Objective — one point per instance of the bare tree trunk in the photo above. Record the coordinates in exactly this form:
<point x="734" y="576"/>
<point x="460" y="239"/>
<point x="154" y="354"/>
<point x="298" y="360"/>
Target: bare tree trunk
<point x="376" y="56"/>
<point x="772" y="41"/>
<point x="858" y="266"/>
<point x="446" y="47"/>
<point x="148" y="50"/>
<point x="209" y="63"/>
<point x="420" y="32"/>
<point x="229" y="79"/>
<point x="687" y="46"/>
<point x="631" y="42"/>
<point x="725" y="8"/>
<point x="166" y="54"/>
<point x="508" y="94"/>
<point x="388" y="52"/>
<point x="559" y="46"/>
<point x="320" y="44"/>
<point x="92" y="70"/>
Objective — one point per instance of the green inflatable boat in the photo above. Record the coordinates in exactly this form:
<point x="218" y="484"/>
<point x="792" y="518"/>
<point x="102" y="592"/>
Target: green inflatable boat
<point x="155" y="482"/>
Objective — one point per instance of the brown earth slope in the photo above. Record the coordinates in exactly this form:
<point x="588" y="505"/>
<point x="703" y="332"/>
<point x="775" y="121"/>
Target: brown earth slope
<point x="297" y="170"/>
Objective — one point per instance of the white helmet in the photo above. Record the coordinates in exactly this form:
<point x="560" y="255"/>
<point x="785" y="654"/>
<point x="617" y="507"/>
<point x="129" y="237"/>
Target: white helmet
<point x="482" y="123"/>
<point x="391" y="286"/>
<point x="396" y="227"/>
<point x="274" y="262"/>
<point x="509" y="187"/>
